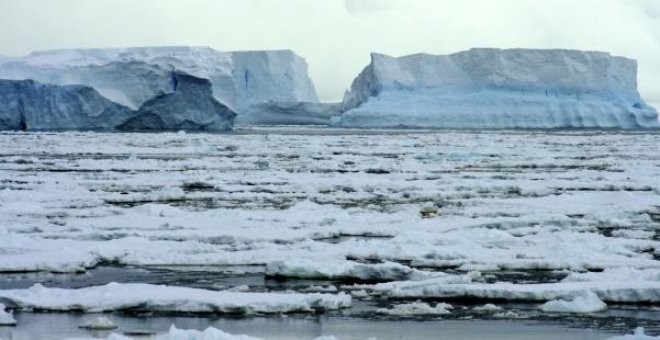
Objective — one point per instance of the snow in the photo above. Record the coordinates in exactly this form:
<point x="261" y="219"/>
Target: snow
<point x="494" y="88"/>
<point x="338" y="269"/>
<point x="118" y="297"/>
<point x="585" y="302"/>
<point x="6" y="318"/>
<point x="417" y="309"/>
<point x="132" y="76"/>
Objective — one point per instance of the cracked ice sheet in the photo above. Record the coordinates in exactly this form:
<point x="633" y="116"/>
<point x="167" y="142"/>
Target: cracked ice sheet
<point x="507" y="200"/>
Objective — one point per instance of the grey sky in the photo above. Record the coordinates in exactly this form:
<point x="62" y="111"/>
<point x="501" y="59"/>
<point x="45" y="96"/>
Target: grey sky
<point x="336" y="36"/>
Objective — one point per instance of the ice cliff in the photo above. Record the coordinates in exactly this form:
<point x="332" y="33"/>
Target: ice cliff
<point x="188" y="105"/>
<point x="289" y="113"/>
<point x="495" y="88"/>
<point x="134" y="76"/>
<point x="29" y="105"/>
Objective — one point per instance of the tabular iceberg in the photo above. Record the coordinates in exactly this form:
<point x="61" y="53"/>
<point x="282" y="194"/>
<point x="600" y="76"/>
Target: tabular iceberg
<point x="495" y="88"/>
<point x="132" y="77"/>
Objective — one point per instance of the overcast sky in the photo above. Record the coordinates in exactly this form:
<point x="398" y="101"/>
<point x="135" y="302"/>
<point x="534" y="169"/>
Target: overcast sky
<point x="336" y="36"/>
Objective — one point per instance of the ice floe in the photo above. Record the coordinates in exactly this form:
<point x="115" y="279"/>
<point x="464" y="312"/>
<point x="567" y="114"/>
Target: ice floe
<point x="585" y="302"/>
<point x="6" y="318"/>
<point x="417" y="309"/>
<point x="337" y="269"/>
<point x="116" y="297"/>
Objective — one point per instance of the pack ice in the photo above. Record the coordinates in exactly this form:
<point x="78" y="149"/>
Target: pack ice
<point x="133" y="77"/>
<point x="496" y="88"/>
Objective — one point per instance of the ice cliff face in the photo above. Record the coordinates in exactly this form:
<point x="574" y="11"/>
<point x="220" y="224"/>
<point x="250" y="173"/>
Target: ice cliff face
<point x="188" y="105"/>
<point x="29" y="105"/>
<point x="290" y="113"/>
<point x="493" y="88"/>
<point x="141" y="79"/>
<point x="132" y="76"/>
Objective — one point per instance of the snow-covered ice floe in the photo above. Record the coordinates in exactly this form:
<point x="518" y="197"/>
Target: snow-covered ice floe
<point x="339" y="269"/>
<point x="417" y="309"/>
<point x="495" y="88"/>
<point x="581" y="294"/>
<point x="6" y="318"/>
<point x="585" y="302"/>
<point x="175" y="333"/>
<point x="121" y="297"/>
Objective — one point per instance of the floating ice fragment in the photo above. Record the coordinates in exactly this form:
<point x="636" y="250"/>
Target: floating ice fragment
<point x="99" y="323"/>
<point x="586" y="302"/>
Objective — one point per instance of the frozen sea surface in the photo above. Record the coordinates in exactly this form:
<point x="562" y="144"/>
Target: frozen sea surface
<point x="513" y="218"/>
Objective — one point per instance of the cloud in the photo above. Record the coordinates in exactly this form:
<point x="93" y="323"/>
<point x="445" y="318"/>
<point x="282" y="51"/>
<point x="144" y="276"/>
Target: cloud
<point x="337" y="36"/>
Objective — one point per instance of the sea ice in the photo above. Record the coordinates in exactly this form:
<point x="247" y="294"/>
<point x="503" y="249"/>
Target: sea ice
<point x="99" y="323"/>
<point x="116" y="297"/>
<point x="6" y="318"/>
<point x="337" y="269"/>
<point x="416" y="309"/>
<point x="585" y="302"/>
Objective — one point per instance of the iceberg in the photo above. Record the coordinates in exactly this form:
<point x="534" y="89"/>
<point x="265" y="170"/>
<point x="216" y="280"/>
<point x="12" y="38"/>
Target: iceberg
<point x="189" y="105"/>
<point x="133" y="76"/>
<point x="29" y="105"/>
<point x="289" y="113"/>
<point x="498" y="88"/>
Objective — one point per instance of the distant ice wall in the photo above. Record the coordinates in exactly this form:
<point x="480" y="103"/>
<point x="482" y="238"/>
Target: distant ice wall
<point x="131" y="76"/>
<point x="494" y="88"/>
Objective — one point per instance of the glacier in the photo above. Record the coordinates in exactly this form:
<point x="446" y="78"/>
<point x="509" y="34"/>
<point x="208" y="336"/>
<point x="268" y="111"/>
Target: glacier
<point x="498" y="88"/>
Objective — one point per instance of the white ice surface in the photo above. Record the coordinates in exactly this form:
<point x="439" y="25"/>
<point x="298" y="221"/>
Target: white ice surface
<point x="585" y="302"/>
<point x="339" y="269"/>
<point x="117" y="297"/>
<point x="448" y="287"/>
<point x="417" y="309"/>
<point x="6" y="318"/>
